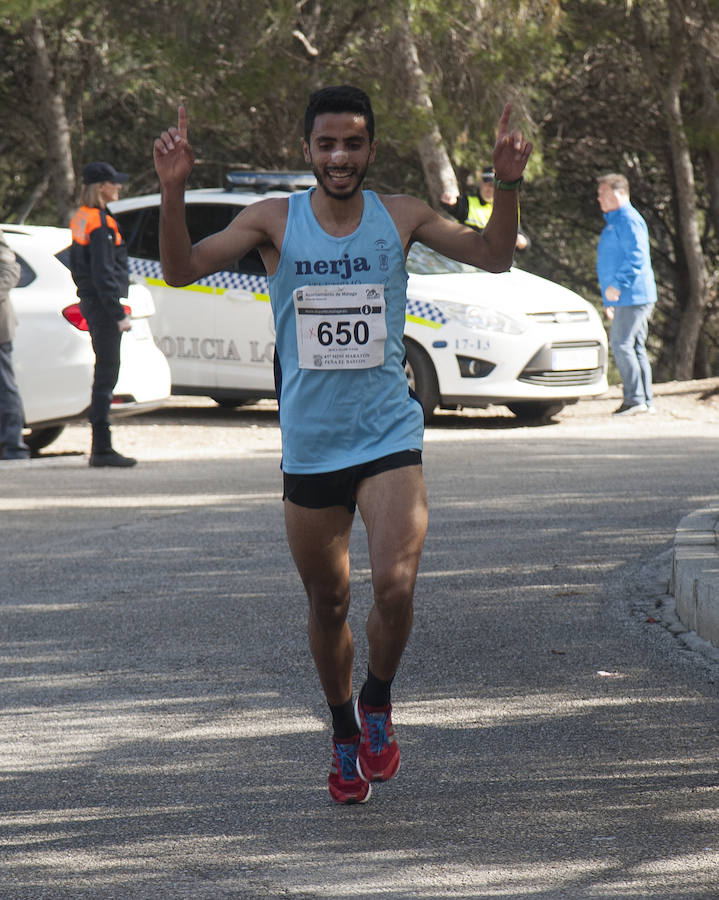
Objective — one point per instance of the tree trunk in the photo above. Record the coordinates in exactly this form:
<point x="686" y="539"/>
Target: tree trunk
<point x="49" y="101"/>
<point x="37" y="192"/>
<point x="687" y="214"/>
<point x="693" y="316"/>
<point x="438" y="171"/>
<point x="711" y="111"/>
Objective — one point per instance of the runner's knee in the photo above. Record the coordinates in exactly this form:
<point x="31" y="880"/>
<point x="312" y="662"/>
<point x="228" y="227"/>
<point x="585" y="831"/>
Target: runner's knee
<point x="329" y="607"/>
<point x="394" y="593"/>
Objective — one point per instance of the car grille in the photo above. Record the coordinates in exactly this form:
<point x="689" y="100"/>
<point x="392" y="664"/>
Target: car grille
<point x="560" y="318"/>
<point x="562" y="379"/>
<point x="539" y="369"/>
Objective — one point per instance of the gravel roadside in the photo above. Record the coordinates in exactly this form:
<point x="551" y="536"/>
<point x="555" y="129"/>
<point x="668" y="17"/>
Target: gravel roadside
<point x="190" y="427"/>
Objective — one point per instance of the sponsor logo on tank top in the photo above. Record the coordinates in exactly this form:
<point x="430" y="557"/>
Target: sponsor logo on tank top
<point x="345" y="267"/>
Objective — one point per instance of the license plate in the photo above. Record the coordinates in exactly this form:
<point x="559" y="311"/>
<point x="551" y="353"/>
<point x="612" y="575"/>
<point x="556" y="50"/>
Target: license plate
<point x="571" y="358"/>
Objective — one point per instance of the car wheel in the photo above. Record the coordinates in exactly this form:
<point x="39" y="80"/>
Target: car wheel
<point x="41" y="437"/>
<point x="231" y="402"/>
<point x="422" y="378"/>
<point x="534" y="409"/>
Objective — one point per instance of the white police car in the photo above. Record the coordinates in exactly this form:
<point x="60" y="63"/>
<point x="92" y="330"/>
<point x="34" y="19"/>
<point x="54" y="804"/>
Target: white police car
<point x="53" y="357"/>
<point x="472" y="338"/>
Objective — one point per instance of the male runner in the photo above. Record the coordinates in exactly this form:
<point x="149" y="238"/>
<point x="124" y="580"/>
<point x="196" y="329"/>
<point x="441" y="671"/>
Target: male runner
<point x="351" y="429"/>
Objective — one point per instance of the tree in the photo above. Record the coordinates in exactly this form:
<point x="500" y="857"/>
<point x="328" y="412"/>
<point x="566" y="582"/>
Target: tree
<point x="47" y="97"/>
<point x="609" y="112"/>
<point x="596" y="85"/>
<point x="54" y="50"/>
<point x="438" y="172"/>
<point x="667" y="44"/>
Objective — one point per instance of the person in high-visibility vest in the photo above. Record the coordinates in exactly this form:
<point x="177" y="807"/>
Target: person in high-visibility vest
<point x="475" y="209"/>
<point x="98" y="263"/>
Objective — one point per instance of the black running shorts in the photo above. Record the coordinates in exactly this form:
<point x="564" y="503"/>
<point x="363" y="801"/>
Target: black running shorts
<point x="339" y="488"/>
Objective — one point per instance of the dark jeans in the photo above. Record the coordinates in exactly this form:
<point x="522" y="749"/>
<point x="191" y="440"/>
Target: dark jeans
<point x="12" y="417"/>
<point x="106" y="338"/>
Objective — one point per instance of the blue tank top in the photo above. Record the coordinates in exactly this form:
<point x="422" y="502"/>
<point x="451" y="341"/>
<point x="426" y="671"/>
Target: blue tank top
<point x="342" y="391"/>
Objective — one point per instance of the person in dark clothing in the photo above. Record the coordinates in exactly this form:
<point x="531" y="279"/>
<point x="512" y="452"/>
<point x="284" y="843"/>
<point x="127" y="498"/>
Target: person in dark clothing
<point x="98" y="262"/>
<point x="12" y="416"/>
<point x="475" y="208"/>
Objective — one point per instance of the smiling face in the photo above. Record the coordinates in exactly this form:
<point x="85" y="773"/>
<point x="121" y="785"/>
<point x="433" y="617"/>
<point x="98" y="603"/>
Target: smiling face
<point x="340" y="152"/>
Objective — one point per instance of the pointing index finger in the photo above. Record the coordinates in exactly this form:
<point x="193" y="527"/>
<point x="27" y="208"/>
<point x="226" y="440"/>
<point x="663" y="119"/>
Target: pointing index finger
<point x="503" y="127"/>
<point x="182" y="121"/>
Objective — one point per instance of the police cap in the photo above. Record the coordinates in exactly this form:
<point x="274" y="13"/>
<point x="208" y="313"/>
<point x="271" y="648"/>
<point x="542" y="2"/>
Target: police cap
<point x="97" y="172"/>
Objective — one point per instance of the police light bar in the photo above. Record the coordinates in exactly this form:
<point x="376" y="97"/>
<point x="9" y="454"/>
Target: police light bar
<point x="267" y="181"/>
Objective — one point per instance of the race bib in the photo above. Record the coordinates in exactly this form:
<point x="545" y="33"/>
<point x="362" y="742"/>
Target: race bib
<point x="340" y="326"/>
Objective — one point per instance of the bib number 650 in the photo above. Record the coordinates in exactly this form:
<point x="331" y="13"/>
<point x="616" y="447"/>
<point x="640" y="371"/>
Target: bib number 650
<point x="343" y="333"/>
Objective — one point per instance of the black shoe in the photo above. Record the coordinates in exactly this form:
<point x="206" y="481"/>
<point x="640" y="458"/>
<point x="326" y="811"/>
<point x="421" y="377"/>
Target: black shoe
<point x="112" y="458"/>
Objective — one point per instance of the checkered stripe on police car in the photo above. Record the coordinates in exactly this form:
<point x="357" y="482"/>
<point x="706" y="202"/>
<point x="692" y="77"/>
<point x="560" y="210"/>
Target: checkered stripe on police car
<point x="423" y="309"/>
<point x="257" y="284"/>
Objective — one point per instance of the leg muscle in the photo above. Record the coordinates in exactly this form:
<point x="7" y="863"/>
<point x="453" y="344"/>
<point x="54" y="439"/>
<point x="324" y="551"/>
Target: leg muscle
<point x="393" y="505"/>
<point x="319" y="542"/>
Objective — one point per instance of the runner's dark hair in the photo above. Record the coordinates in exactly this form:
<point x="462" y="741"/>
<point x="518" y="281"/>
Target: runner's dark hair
<point x="339" y="99"/>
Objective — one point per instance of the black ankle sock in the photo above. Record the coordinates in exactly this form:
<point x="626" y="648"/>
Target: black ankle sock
<point x="344" y="724"/>
<point x="375" y="691"/>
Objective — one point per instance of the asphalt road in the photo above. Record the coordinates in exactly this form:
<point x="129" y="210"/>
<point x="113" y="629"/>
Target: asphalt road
<point x="163" y="733"/>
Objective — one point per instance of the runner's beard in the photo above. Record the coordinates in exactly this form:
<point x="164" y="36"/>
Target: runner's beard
<point x="335" y="195"/>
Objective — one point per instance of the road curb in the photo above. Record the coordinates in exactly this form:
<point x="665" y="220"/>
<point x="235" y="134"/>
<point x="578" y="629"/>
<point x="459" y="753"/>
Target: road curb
<point x="694" y="580"/>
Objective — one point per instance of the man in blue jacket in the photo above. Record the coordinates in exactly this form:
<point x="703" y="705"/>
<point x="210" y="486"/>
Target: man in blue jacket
<point x="629" y="291"/>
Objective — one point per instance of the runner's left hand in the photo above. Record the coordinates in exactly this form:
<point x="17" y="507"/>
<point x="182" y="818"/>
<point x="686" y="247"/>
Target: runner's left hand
<point x="511" y="151"/>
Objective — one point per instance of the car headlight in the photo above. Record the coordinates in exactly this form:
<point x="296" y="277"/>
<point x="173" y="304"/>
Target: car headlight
<point x="481" y="318"/>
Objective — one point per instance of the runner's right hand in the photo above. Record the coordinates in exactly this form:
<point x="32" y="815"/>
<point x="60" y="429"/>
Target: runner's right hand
<point x="172" y="152"/>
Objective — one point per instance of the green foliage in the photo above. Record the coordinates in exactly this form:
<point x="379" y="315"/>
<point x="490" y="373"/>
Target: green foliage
<point x="579" y="88"/>
<point x="604" y="114"/>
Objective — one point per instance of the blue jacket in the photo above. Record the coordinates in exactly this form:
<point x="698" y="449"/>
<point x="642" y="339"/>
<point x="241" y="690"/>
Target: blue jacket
<point x="623" y="258"/>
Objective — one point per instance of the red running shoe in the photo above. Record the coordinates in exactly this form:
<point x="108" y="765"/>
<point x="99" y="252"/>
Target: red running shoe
<point x="344" y="782"/>
<point x="378" y="756"/>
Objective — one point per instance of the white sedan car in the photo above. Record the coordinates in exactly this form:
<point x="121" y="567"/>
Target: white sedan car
<point x="472" y="338"/>
<point x="52" y="352"/>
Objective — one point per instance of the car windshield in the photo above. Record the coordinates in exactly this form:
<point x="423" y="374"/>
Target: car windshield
<point x="422" y="260"/>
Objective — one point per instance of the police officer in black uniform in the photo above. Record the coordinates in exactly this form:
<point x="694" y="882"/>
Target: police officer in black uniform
<point x="98" y="261"/>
